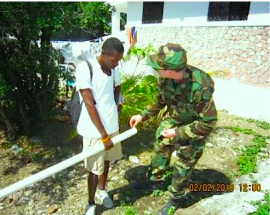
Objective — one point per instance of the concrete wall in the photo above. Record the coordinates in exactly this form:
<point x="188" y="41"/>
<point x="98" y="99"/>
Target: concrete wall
<point x="238" y="47"/>
<point x="241" y="51"/>
<point x="242" y="100"/>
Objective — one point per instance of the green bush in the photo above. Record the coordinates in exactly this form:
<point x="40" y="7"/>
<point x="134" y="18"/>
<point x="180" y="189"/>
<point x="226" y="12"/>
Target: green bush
<point x="263" y="207"/>
<point x="138" y="92"/>
<point x="130" y="211"/>
<point x="247" y="161"/>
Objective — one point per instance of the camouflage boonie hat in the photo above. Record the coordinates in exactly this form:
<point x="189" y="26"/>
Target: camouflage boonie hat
<point x="171" y="56"/>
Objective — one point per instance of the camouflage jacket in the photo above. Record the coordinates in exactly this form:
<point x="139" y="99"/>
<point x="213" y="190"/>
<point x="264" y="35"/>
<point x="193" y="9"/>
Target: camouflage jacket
<point x="190" y="105"/>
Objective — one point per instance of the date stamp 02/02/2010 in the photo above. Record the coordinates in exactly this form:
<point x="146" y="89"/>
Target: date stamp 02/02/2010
<point x="224" y="187"/>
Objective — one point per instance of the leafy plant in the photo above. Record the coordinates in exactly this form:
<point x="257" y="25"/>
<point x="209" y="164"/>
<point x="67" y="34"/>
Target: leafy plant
<point x="171" y="210"/>
<point x="156" y="193"/>
<point x="263" y="206"/>
<point x="261" y="124"/>
<point x="72" y="134"/>
<point x="29" y="67"/>
<point x="93" y="17"/>
<point x="29" y="73"/>
<point x="167" y="175"/>
<point x="138" y="92"/>
<point x="139" y="53"/>
<point x="244" y="130"/>
<point x="248" y="160"/>
<point x="130" y="211"/>
<point x="5" y="103"/>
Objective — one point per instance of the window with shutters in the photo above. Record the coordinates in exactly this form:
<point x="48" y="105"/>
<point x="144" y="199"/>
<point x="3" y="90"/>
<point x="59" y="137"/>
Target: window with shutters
<point x="152" y="12"/>
<point x="228" y="11"/>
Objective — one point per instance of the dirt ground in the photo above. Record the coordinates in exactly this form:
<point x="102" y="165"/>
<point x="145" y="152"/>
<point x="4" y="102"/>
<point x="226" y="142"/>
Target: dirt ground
<point x="65" y="193"/>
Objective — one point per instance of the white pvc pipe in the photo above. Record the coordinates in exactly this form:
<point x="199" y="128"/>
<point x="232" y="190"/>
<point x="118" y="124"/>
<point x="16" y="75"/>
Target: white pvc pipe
<point x="63" y="165"/>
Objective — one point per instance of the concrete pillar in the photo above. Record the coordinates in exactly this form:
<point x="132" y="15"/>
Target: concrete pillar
<point x="115" y="22"/>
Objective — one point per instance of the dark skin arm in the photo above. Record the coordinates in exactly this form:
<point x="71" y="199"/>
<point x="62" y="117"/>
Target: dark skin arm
<point x="117" y="91"/>
<point x="94" y="116"/>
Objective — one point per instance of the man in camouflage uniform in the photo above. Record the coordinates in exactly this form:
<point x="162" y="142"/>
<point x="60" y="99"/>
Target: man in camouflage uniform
<point x="191" y="115"/>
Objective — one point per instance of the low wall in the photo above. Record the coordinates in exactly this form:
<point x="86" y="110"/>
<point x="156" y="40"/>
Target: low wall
<point x="241" y="51"/>
<point x="242" y="100"/>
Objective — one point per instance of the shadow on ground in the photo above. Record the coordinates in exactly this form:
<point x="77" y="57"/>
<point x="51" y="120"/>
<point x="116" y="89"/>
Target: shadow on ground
<point x="142" y="141"/>
<point x="205" y="176"/>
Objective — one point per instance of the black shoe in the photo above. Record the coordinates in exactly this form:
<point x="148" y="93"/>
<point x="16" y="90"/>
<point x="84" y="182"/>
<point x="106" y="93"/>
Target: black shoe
<point x="170" y="207"/>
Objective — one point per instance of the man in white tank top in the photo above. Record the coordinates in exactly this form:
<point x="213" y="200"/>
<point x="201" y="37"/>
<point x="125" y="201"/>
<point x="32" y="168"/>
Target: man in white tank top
<point x="99" y="117"/>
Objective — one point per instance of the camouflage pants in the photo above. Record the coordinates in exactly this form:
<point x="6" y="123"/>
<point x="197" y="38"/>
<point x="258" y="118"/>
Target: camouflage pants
<point x="188" y="153"/>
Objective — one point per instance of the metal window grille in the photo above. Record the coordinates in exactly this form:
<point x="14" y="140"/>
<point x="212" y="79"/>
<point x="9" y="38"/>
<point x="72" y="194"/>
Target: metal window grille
<point x="228" y="11"/>
<point x="152" y="12"/>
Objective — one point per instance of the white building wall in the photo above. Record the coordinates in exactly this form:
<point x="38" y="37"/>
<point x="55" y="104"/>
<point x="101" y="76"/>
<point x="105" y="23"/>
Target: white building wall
<point x="259" y="13"/>
<point x="185" y="12"/>
<point x="195" y="14"/>
<point x="134" y="14"/>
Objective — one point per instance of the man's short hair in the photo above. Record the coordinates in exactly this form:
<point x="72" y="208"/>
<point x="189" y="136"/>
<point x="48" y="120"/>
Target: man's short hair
<point x="112" y="44"/>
